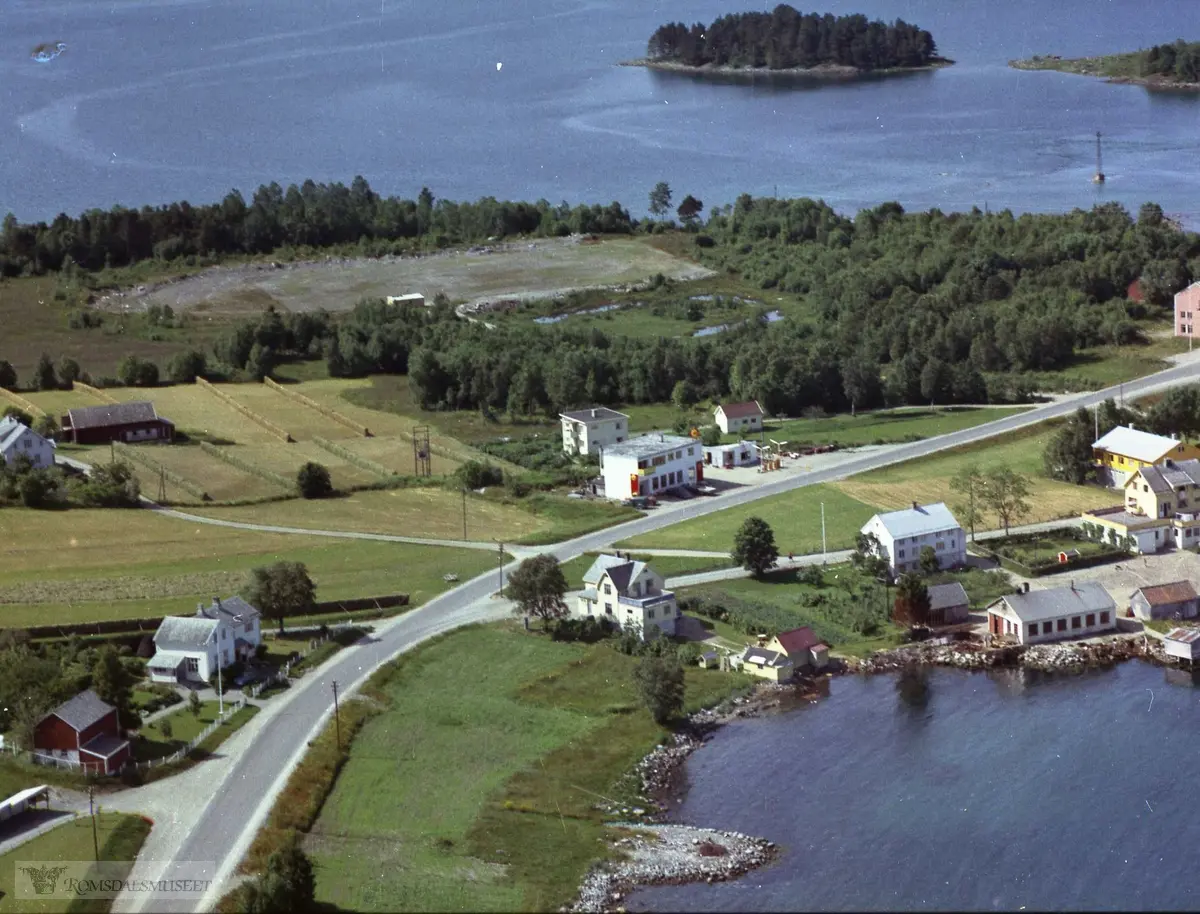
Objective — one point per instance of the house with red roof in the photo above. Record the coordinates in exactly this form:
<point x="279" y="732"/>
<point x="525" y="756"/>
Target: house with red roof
<point x="735" y="418"/>
<point x="802" y="647"/>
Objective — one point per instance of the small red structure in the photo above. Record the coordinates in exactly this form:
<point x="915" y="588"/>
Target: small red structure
<point x="84" y="730"/>
<point x="137" y="420"/>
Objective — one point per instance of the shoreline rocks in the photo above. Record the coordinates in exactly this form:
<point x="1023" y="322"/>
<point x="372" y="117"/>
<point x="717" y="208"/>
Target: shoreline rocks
<point x="669" y="855"/>
<point x="1044" y="657"/>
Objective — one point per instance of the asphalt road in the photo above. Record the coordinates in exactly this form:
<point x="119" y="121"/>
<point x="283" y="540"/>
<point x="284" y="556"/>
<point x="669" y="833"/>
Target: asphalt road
<point x="238" y="806"/>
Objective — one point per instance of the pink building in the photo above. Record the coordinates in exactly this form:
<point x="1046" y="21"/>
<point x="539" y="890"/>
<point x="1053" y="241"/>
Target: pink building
<point x="1187" y="310"/>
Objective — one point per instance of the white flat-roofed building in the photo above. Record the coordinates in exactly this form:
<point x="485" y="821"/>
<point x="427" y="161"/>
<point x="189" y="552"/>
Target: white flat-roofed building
<point x="410" y="298"/>
<point x="1183" y="643"/>
<point x="651" y="464"/>
<point x="586" y="431"/>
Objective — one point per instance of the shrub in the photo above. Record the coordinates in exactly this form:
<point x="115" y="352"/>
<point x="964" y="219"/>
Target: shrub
<point x="185" y="367"/>
<point x="165" y="728"/>
<point x="477" y="475"/>
<point x="137" y="372"/>
<point x="313" y="481"/>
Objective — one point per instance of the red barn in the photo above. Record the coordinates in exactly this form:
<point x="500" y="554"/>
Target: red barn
<point x="83" y="730"/>
<point x="137" y="420"/>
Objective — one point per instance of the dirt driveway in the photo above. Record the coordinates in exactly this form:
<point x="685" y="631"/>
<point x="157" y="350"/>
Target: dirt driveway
<point x="532" y="269"/>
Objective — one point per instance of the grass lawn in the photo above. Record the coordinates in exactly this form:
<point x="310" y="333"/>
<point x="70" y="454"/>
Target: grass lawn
<point x="120" y="838"/>
<point x="86" y="565"/>
<point x="185" y="726"/>
<point x="927" y="479"/>
<point x="477" y="793"/>
<point x="1045" y="547"/>
<point x="666" y="565"/>
<point x="795" y="517"/>
<point x="884" y="426"/>
<point x="16" y="776"/>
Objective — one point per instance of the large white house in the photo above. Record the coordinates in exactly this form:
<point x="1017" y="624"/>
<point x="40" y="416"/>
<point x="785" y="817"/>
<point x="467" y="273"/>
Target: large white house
<point x="1078" y="611"/>
<point x="17" y="438"/>
<point x="586" y="431"/>
<point x="650" y="464"/>
<point x="190" y="648"/>
<point x="903" y="534"/>
<point x="629" y="595"/>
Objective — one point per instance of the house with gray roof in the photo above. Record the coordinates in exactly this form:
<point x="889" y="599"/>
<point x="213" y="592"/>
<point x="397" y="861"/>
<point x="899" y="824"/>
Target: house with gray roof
<point x="903" y="534"/>
<point x="18" y="439"/>
<point x="586" y="431"/>
<point x="628" y="595"/>
<point x="192" y="648"/>
<point x="1079" y="610"/>
<point x="83" y="732"/>
<point x="130" y="422"/>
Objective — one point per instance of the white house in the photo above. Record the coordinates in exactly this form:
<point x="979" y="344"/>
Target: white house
<point x="189" y="648"/>
<point x="17" y="438"/>
<point x="739" y="417"/>
<point x="1078" y="611"/>
<point x="410" y="298"/>
<point x="586" y="431"/>
<point x="728" y="456"/>
<point x="903" y="534"/>
<point x="629" y="595"/>
<point x="650" y="464"/>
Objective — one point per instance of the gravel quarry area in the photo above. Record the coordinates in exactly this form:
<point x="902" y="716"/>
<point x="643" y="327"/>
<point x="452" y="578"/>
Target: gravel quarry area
<point x="533" y="269"/>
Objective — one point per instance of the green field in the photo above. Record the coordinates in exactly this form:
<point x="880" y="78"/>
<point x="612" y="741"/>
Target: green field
<point x="1127" y="65"/>
<point x="794" y="516"/>
<point x="88" y="565"/>
<point x="120" y="838"/>
<point x="477" y="793"/>
<point x="927" y="479"/>
<point x="667" y="565"/>
<point x="889" y="426"/>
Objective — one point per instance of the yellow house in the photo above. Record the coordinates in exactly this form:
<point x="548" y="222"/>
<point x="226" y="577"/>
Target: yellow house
<point x="1123" y="451"/>
<point x="802" y="647"/>
<point x="772" y="665"/>
<point x="1162" y="508"/>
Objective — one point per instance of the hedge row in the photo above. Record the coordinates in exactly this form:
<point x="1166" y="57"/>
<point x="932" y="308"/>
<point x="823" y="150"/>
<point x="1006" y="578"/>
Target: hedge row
<point x="139" y="456"/>
<point x="1050" y="567"/>
<point x="17" y="400"/>
<point x="324" y="410"/>
<point x="247" y="412"/>
<point x="245" y="465"/>
<point x="352" y="458"/>
<point x="102" y="396"/>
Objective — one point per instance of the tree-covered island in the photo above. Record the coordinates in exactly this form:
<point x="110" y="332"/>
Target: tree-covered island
<point x="786" y="40"/>
<point x="1164" y="66"/>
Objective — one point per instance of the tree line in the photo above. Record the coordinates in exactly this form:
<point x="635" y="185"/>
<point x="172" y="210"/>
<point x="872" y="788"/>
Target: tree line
<point x="1179" y="61"/>
<point x="309" y="215"/>
<point x="787" y="39"/>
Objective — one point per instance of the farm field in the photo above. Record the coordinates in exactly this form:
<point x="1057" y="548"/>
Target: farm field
<point x="534" y="269"/>
<point x="928" y="479"/>
<point x="120" y="838"/>
<point x="794" y="516"/>
<point x="487" y="783"/>
<point x="91" y="565"/>
<point x="884" y="426"/>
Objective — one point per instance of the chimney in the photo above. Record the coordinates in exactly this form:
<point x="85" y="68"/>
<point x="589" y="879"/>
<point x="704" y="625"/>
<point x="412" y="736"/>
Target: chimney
<point x="593" y="414"/>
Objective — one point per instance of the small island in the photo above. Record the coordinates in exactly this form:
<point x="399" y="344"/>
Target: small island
<point x="46" y="52"/>
<point x="787" y="41"/>
<point x="1164" y="66"/>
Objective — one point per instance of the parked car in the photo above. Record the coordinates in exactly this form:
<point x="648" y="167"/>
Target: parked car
<point x="641" y="501"/>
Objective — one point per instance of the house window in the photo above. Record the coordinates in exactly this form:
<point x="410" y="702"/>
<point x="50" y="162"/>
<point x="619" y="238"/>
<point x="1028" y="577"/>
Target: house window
<point x="192" y="664"/>
<point x="1047" y="627"/>
<point x="1076" y="622"/>
<point x="691" y="452"/>
<point x="900" y="554"/>
<point x="941" y="544"/>
<point x="1091" y="619"/>
<point x="1104" y="618"/>
<point x="1032" y="628"/>
<point x="650" y="614"/>
<point x="618" y="426"/>
<point x="654" y="483"/>
<point x="1062" y="625"/>
<point x="608" y="608"/>
<point x="607" y="588"/>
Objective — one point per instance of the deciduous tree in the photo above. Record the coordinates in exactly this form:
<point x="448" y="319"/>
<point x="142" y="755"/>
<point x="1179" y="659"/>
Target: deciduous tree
<point x="1068" y="455"/>
<point x="43" y="375"/>
<point x="868" y="556"/>
<point x="538" y="586"/>
<point x="313" y="481"/>
<point x="661" y="685"/>
<point x="281" y="590"/>
<point x="754" y="546"/>
<point x="689" y="210"/>
<point x="970" y="483"/>
<point x="8" y="375"/>
<point x="660" y="199"/>
<point x="1007" y="494"/>
<point x="929" y="561"/>
<point x="912" y="601"/>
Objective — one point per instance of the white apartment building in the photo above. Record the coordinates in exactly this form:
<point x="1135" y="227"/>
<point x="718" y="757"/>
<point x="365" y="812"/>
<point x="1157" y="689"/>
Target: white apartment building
<point x="903" y="534"/>
<point x="650" y="464"/>
<point x="586" y="431"/>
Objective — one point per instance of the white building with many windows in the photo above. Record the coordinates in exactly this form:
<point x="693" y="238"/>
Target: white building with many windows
<point x="18" y="439"/>
<point x="903" y="534"/>
<point x="629" y="595"/>
<point x="586" y="431"/>
<point x="190" y="648"/>
<point x="651" y="464"/>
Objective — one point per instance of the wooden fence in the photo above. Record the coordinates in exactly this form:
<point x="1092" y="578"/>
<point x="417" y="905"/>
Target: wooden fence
<point x="101" y="395"/>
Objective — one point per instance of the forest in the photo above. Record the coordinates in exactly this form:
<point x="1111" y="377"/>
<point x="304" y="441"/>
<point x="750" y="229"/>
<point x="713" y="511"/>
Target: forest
<point x="787" y="39"/>
<point x="908" y="308"/>
<point x="1179" y="61"/>
<point x="313" y="215"/>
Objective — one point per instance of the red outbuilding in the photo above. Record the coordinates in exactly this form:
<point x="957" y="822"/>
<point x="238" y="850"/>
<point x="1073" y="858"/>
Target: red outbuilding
<point x="137" y="420"/>
<point x="83" y="730"/>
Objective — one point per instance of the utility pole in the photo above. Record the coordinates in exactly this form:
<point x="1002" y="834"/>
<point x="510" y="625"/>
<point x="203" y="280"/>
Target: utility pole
<point x="92" y="812"/>
<point x="220" y="689"/>
<point x="337" y="717"/>
<point x="501" y="545"/>
<point x="823" y="550"/>
<point x="464" y="496"/>
<point x="1096" y="422"/>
